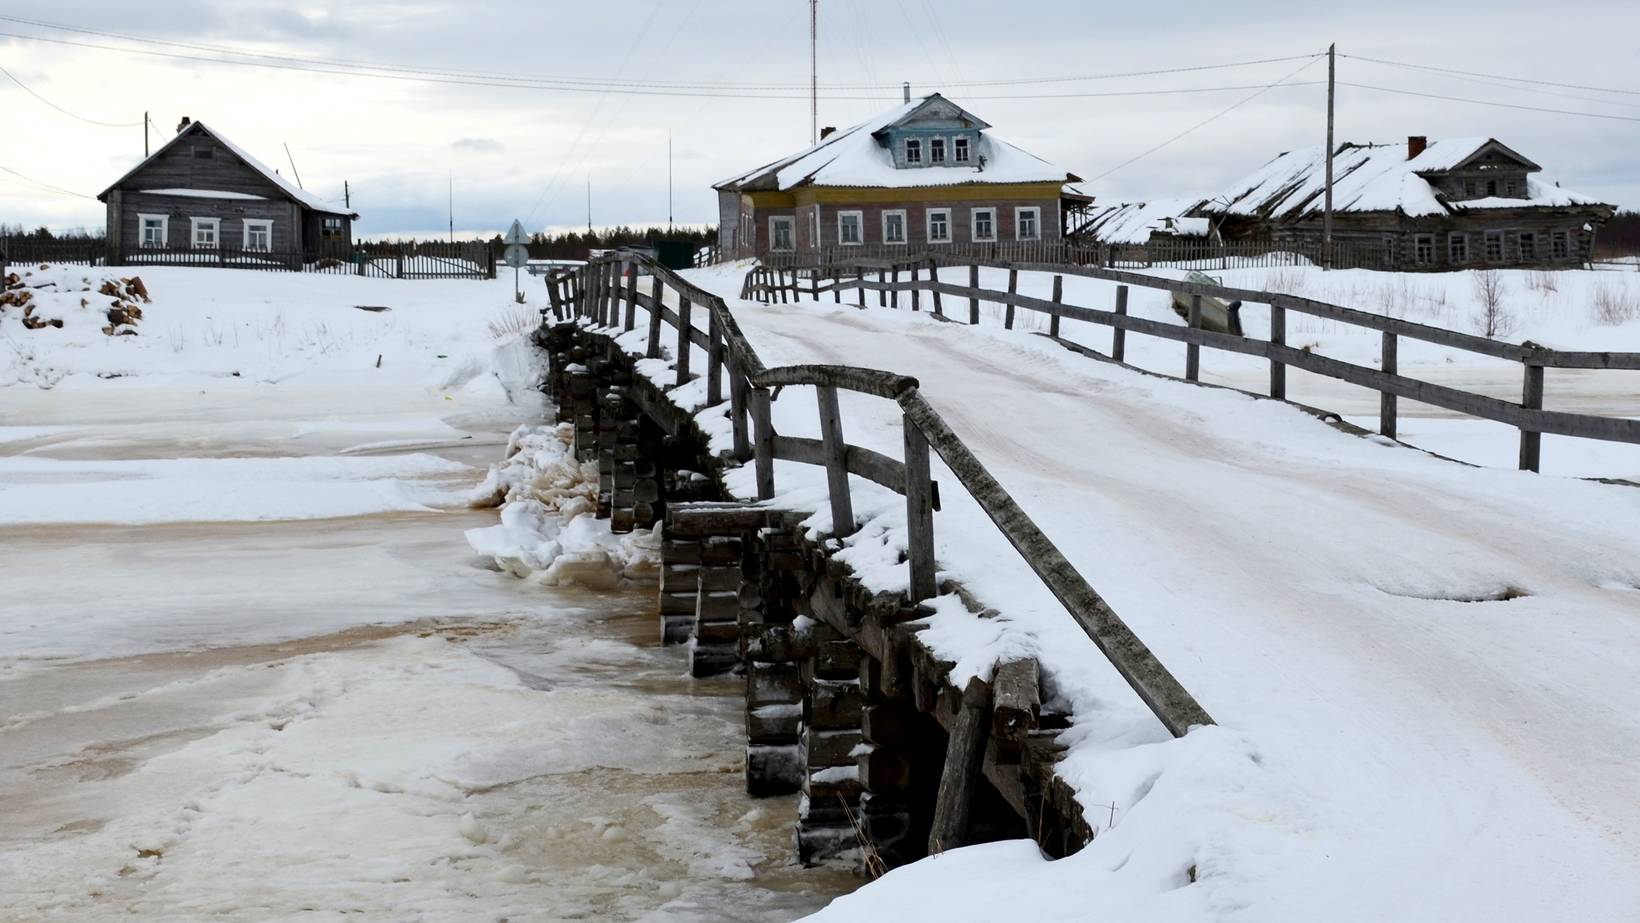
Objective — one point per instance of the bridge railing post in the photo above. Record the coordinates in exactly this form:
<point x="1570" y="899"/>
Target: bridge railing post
<point x="684" y="329"/>
<point x="1278" y="337"/>
<point x="714" y="359"/>
<point x="762" y="442"/>
<point x="631" y="295"/>
<point x="738" y="388"/>
<point x="831" y="438"/>
<point x="919" y="513"/>
<point x="1193" y="351"/>
<point x="653" y="350"/>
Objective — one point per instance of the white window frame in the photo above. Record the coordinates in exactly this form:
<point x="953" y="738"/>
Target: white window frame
<point x="265" y="224"/>
<point x="1487" y="237"/>
<point x="164" y="231"/>
<point x="973" y="225"/>
<point x="913" y="144"/>
<point x="1035" y="211"/>
<point x="814" y="227"/>
<point x="1560" y="245"/>
<point x="928" y="225"/>
<point x="1419" y="256"/>
<point x="944" y="150"/>
<point x="1457" y="248"/>
<point x="790" y="223"/>
<point x="859" y="222"/>
<point x="1520" y="245"/>
<point x="195" y="225"/>
<point x="964" y="147"/>
<point x="905" y="228"/>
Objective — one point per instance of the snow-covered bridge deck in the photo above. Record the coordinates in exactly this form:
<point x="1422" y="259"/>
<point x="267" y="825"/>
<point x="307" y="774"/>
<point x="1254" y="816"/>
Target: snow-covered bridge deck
<point x="1422" y="672"/>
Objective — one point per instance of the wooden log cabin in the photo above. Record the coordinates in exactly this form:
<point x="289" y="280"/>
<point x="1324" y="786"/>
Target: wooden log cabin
<point x="920" y="177"/>
<point x="1460" y="203"/>
<point x="201" y="192"/>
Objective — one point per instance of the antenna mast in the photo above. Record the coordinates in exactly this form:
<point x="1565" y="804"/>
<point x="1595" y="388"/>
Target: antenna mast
<point x="814" y="73"/>
<point x="452" y="192"/>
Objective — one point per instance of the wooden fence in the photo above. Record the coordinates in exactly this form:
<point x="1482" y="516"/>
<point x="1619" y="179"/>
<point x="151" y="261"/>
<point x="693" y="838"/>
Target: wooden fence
<point x="1528" y="416"/>
<point x="1184" y="253"/>
<point x="431" y="260"/>
<point x="607" y="294"/>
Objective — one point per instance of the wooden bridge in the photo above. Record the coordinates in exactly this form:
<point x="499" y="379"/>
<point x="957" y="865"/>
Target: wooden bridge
<point x="897" y="749"/>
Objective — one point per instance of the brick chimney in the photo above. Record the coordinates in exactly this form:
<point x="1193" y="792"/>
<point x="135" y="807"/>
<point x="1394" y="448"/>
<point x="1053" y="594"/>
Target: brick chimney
<point x="1416" y="145"/>
<point x="183" y="125"/>
<point x="827" y="131"/>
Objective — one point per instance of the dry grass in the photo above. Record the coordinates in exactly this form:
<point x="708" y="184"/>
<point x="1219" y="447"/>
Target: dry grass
<point x="1614" y="304"/>
<point x="514" y="322"/>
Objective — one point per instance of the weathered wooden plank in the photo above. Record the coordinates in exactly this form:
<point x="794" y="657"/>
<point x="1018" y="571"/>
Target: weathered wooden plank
<point x="1118" y="333"/>
<point x="964" y="754"/>
<point x="973" y="299"/>
<point x="763" y="443"/>
<point x="1388" y="361"/>
<point x="1017" y="699"/>
<point x="1013" y="292"/>
<point x="934" y="277"/>
<point x="714" y="360"/>
<point x="1531" y="442"/>
<point x="685" y="325"/>
<point x="1193" y="351"/>
<point x="1278" y="336"/>
<point x="919" y="514"/>
<point x="873" y="466"/>
<point x="740" y="432"/>
<point x="653" y="348"/>
<point x="631" y="296"/>
<point x="1058" y="297"/>
<point x="831" y="433"/>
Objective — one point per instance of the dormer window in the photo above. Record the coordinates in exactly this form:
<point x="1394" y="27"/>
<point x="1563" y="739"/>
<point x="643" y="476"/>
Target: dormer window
<point x="959" y="150"/>
<point x="936" y="150"/>
<point x="913" y="150"/>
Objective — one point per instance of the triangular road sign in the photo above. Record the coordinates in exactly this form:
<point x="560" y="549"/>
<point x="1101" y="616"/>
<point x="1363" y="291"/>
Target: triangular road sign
<point x="516" y="235"/>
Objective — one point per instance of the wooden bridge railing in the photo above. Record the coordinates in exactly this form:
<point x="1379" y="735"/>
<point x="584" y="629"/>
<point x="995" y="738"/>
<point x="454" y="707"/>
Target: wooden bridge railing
<point x="1528" y="416"/>
<point x="607" y="293"/>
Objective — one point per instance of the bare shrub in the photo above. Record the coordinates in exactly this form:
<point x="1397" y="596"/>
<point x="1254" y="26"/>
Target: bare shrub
<point x="1285" y="279"/>
<point x="1494" y="319"/>
<point x="1542" y="280"/>
<point x="513" y="322"/>
<point x="1614" y="304"/>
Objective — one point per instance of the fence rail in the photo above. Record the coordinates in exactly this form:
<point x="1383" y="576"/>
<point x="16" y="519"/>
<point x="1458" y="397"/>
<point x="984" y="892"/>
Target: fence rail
<point x="1528" y="415"/>
<point x="595" y="295"/>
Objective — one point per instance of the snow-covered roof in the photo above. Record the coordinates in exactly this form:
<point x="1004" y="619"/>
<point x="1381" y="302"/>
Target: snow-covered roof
<point x="1372" y="178"/>
<point x="301" y="196"/>
<point x="1132" y="222"/>
<point x="856" y="157"/>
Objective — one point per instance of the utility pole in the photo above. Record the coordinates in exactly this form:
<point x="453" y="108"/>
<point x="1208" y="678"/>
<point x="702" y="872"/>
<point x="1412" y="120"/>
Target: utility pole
<point x="452" y="193"/>
<point x="589" y="205"/>
<point x="814" y="72"/>
<point x="347" y="195"/>
<point x="1327" y="215"/>
<point x="293" y="167"/>
<point x="669" y="182"/>
<point x="145" y="135"/>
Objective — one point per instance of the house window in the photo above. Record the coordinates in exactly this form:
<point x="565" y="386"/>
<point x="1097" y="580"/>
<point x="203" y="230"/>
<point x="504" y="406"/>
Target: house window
<point x="1494" y="246"/>
<point x="258" y="234"/>
<point x="939" y="225"/>
<point x="984" y="224"/>
<point x="154" y="229"/>
<point x="1560" y="245"/>
<point x="850" y="228"/>
<point x="894" y="227"/>
<point x="1457" y="248"/>
<point x="1423" y="249"/>
<point x="936" y="150"/>
<point x="781" y="231"/>
<point x="959" y="150"/>
<point x="206" y="233"/>
<point x="913" y="150"/>
<point x="1528" y="246"/>
<point x="330" y="228"/>
<point x="1028" y="223"/>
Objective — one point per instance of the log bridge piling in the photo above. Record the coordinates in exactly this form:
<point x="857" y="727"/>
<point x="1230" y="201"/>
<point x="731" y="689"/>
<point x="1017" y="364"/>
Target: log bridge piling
<point x="893" y="755"/>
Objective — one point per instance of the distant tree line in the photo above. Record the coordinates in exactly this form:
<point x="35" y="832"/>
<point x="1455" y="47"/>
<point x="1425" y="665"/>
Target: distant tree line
<point x="1619" y="236"/>
<point x="19" y="232"/>
<point x="574" y="245"/>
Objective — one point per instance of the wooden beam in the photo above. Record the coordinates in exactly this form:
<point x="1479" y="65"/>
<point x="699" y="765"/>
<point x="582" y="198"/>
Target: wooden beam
<point x="1388" y="361"/>
<point x="654" y="346"/>
<point x="1531" y="441"/>
<point x="973" y="300"/>
<point x="919" y="514"/>
<point x="1118" y="333"/>
<point x="685" y="327"/>
<point x="1058" y="297"/>
<point x="1193" y="351"/>
<point x="964" y="758"/>
<point x="763" y="443"/>
<point x="1278" y="336"/>
<point x="831" y="433"/>
<point x="1013" y="290"/>
<point x="1018" y="701"/>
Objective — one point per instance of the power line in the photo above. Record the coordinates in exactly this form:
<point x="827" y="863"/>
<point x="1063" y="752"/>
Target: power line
<point x="1210" y="119"/>
<point x="1485" y="102"/>
<point x="46" y="186"/>
<point x="1484" y="81"/>
<point x="1453" y="70"/>
<point x="53" y="105"/>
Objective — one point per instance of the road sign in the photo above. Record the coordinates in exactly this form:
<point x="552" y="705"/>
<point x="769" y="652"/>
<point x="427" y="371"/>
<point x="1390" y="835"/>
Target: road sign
<point x="516" y="234"/>
<point x="516" y="255"/>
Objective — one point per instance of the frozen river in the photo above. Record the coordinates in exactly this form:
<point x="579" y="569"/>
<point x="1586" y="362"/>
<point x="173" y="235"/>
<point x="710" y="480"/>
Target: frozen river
<point x="322" y="703"/>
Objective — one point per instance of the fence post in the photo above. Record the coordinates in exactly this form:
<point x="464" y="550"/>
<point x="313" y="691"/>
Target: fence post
<point x="1013" y="287"/>
<point x="831" y="433"/>
<point x="632" y="295"/>
<point x="714" y="358"/>
<point x="683" y="340"/>
<point x="1118" y="335"/>
<point x="933" y="286"/>
<point x="916" y="296"/>
<point x="654" y="346"/>
<point x="814" y="283"/>
<point x="1278" y="337"/>
<point x="1389" y="362"/>
<point x="919" y="513"/>
<point x="1058" y="297"/>
<point x="860" y="290"/>
<point x="1531" y="441"/>
<point x="1193" y="351"/>
<point x="882" y="294"/>
<point x="738" y="386"/>
<point x="973" y="297"/>
<point x="763" y="443"/>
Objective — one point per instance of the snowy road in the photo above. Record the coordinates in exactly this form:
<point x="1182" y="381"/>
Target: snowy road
<point x="1429" y="665"/>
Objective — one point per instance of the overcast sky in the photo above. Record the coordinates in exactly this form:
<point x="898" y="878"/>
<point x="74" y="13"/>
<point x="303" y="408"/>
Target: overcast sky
<point x="528" y="153"/>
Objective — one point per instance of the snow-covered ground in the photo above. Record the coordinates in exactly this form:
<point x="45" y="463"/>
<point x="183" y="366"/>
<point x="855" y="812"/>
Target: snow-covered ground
<point x="1420" y="670"/>
<point x="251" y="669"/>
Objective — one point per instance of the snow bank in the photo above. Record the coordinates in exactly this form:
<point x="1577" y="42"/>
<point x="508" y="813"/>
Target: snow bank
<point x="548" y="531"/>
